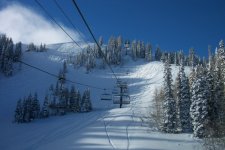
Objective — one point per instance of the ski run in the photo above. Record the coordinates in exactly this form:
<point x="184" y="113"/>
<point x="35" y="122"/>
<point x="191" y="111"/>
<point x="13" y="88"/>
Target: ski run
<point x="106" y="127"/>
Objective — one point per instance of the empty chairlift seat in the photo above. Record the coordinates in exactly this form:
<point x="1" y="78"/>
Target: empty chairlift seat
<point x="106" y="96"/>
<point x="125" y="99"/>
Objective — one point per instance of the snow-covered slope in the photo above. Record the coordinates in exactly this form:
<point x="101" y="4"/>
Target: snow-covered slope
<point x="106" y="127"/>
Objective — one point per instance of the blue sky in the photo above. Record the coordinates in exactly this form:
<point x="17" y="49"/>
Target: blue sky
<point x="171" y="24"/>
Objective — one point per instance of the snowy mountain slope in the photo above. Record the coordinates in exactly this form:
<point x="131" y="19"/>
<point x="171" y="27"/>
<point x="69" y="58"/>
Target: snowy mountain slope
<point x="106" y="127"/>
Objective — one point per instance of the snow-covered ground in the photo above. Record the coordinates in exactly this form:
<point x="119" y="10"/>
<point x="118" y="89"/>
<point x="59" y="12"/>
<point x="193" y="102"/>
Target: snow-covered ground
<point x="106" y="127"/>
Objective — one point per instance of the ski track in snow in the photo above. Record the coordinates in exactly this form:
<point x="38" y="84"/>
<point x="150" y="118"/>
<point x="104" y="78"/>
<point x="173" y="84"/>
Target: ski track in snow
<point x="130" y="111"/>
<point x="107" y="126"/>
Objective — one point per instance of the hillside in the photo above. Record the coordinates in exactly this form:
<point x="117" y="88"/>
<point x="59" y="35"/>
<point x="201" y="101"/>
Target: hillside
<point x="106" y="127"/>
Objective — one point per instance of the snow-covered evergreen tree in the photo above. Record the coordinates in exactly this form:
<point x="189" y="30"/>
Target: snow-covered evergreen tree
<point x="191" y="57"/>
<point x="139" y="49"/>
<point x="169" y="104"/>
<point x="57" y="89"/>
<point x="18" y="51"/>
<point x="90" y="59"/>
<point x="142" y="52"/>
<point x="86" y="105"/>
<point x="158" y="54"/>
<point x="183" y="101"/>
<point x="45" y="108"/>
<point x="74" y="100"/>
<point x="212" y="105"/>
<point x="219" y="97"/>
<point x="32" y="47"/>
<point x="192" y="77"/>
<point x="148" y="53"/>
<point x="27" y="109"/>
<point x="35" y="107"/>
<point x="221" y="58"/>
<point x="65" y="67"/>
<point x="163" y="58"/>
<point x="66" y="95"/>
<point x="100" y="41"/>
<point x="199" y="105"/>
<point x="78" y="101"/>
<point x="18" y="117"/>
<point x="62" y="78"/>
<point x="134" y="50"/>
<point x="98" y="53"/>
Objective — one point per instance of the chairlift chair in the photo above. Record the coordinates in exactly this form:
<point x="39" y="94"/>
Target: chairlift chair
<point x="106" y="96"/>
<point x="125" y="99"/>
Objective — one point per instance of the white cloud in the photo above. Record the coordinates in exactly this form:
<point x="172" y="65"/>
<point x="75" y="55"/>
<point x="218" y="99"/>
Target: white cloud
<point x="24" y="24"/>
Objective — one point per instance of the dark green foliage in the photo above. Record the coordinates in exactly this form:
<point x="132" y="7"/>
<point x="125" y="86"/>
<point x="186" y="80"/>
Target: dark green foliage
<point x="19" y="112"/>
<point x="86" y="105"/>
<point x="45" y="108"/>
<point x="183" y="101"/>
<point x="169" y="104"/>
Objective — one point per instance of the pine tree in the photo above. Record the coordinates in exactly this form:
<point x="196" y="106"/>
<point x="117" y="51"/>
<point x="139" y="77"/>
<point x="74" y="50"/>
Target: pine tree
<point x="27" y="109"/>
<point x="175" y="59"/>
<point x="211" y="101"/>
<point x="62" y="102"/>
<point x="86" y="105"/>
<point x="65" y="67"/>
<point x="118" y="52"/>
<point x="158" y="54"/>
<point x="57" y="88"/>
<point x="134" y="50"/>
<point x="138" y="49"/>
<point x="142" y="52"/>
<point x="169" y="104"/>
<point x="31" y="47"/>
<point x="199" y="105"/>
<point x="66" y="97"/>
<point x="18" y="51"/>
<point x="192" y="77"/>
<point x="163" y="58"/>
<point x="78" y="101"/>
<point x="19" y="112"/>
<point x="148" y="53"/>
<point x="35" y="107"/>
<point x="6" y="55"/>
<point x="72" y="99"/>
<point x="45" y="108"/>
<point x="192" y="62"/>
<point x="184" y="101"/>
<point x="62" y="78"/>
<point x="177" y="95"/>
<point x="219" y="99"/>
<point x="100" y="41"/>
<point x="221" y="58"/>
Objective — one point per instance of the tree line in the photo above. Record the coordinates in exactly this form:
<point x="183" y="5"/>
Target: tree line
<point x="59" y="101"/>
<point x="10" y="53"/>
<point x="116" y="49"/>
<point x="195" y="103"/>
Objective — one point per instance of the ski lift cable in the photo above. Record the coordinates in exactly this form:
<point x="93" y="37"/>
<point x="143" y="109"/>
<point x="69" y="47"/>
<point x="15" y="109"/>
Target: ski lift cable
<point x="43" y="8"/>
<point x="89" y="29"/>
<point x="60" y="78"/>
<point x="69" y="20"/>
